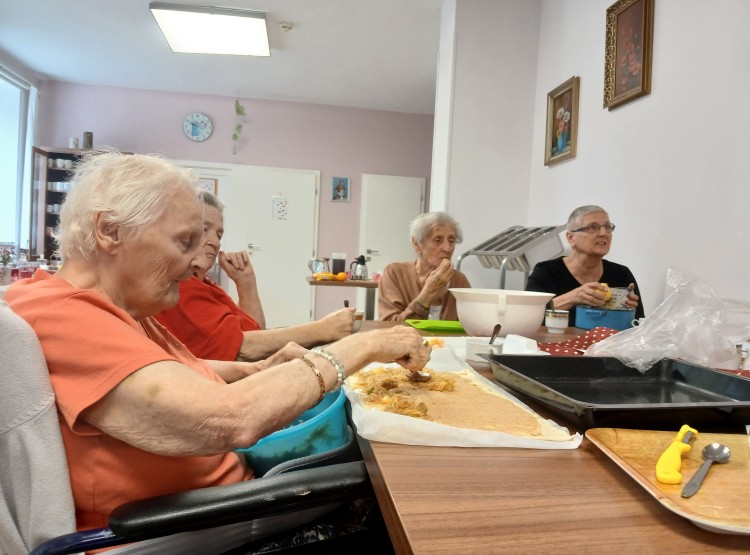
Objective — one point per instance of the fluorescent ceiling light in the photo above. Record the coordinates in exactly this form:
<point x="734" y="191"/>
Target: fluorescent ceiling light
<point x="206" y="30"/>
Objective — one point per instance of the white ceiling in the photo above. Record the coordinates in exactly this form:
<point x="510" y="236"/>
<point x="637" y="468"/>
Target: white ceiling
<point x="376" y="54"/>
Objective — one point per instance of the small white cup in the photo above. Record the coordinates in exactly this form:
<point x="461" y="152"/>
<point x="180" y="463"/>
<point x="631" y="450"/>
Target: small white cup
<point x="357" y="324"/>
<point x="480" y="346"/>
<point x="59" y="163"/>
<point x="50" y="162"/>
<point x="556" y="320"/>
<point x="68" y="164"/>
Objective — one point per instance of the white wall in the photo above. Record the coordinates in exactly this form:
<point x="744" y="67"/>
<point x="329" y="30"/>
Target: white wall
<point x="668" y="167"/>
<point x="492" y="122"/>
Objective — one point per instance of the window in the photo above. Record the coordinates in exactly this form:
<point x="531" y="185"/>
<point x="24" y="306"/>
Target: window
<point x="17" y="109"/>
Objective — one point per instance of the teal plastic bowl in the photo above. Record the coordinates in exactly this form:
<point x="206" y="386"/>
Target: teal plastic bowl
<point x="316" y="430"/>
<point x="616" y="319"/>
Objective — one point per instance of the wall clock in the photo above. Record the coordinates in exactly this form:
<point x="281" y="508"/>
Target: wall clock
<point x="198" y="127"/>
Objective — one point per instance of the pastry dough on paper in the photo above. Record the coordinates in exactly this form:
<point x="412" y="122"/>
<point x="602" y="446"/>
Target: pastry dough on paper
<point x="450" y="398"/>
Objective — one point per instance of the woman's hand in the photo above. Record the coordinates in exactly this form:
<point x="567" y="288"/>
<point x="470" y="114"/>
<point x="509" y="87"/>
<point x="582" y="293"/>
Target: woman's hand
<point x="590" y="294"/>
<point x="401" y="344"/>
<point x="337" y="325"/>
<point x="288" y="352"/>
<point x="632" y="299"/>
<point x="240" y="270"/>
<point x="437" y="283"/>
<point x="237" y="266"/>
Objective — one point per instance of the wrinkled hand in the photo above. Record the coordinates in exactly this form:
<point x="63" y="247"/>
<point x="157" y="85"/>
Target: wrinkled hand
<point x="237" y="266"/>
<point x="400" y="344"/>
<point x="592" y="294"/>
<point x="437" y="282"/>
<point x="288" y="352"/>
<point x="338" y="324"/>
<point x="632" y="299"/>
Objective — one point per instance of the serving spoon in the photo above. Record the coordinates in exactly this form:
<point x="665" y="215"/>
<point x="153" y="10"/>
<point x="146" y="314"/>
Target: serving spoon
<point x="495" y="333"/>
<point x="713" y="452"/>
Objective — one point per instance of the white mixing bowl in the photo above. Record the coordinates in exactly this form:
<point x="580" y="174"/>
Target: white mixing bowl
<point x="518" y="312"/>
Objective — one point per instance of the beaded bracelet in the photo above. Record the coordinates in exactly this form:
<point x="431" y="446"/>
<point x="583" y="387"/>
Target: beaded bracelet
<point x="330" y="357"/>
<point x="425" y="308"/>
<point x="319" y="376"/>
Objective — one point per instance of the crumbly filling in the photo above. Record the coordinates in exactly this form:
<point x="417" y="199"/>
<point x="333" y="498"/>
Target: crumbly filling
<point x="452" y="398"/>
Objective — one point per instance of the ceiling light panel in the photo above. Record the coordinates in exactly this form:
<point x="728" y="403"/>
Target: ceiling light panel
<point x="207" y="30"/>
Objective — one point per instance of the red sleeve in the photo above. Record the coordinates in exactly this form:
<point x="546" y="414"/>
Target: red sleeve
<point x="207" y="326"/>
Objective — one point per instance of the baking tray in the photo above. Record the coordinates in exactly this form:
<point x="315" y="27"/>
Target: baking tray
<point x="604" y="392"/>
<point x="721" y="503"/>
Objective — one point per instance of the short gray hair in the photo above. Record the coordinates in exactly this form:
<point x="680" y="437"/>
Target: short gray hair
<point x="422" y="226"/>
<point x="128" y="190"/>
<point x="577" y="214"/>
<point x="210" y="199"/>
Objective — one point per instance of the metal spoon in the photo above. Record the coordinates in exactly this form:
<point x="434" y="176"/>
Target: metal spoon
<point x="713" y="452"/>
<point x="495" y="332"/>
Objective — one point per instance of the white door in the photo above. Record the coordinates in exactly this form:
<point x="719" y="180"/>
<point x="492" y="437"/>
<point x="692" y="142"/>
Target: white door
<point x="273" y="214"/>
<point x="389" y="204"/>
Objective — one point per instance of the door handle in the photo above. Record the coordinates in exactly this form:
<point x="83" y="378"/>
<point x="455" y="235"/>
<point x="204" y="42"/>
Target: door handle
<point x="371" y="251"/>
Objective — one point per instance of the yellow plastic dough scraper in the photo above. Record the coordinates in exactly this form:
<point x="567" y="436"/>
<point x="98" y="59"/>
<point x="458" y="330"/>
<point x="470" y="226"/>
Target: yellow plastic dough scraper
<point x="670" y="461"/>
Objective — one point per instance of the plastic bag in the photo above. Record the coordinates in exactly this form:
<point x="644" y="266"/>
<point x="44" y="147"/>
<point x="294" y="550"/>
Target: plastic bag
<point x="691" y="324"/>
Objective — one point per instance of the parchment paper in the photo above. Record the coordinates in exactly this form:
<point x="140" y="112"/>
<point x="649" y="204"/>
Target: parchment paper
<point x="377" y="425"/>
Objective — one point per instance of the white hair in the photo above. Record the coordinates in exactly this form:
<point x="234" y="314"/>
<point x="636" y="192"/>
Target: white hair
<point x="577" y="215"/>
<point x="422" y="226"/>
<point x="128" y="190"/>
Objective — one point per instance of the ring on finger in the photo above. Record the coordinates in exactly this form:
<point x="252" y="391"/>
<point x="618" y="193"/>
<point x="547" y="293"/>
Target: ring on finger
<point x="425" y="343"/>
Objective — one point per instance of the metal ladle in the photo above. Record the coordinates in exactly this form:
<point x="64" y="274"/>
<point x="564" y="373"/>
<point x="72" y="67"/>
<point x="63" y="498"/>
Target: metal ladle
<point x="713" y="452"/>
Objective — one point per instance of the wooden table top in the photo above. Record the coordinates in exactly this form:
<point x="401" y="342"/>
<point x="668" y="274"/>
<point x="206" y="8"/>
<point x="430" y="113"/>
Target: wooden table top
<point x="502" y="500"/>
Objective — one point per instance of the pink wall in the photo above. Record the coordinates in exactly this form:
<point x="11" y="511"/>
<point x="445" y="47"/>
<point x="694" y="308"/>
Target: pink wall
<point x="342" y="142"/>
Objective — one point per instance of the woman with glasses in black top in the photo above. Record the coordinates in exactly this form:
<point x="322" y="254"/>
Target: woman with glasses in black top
<point x="576" y="279"/>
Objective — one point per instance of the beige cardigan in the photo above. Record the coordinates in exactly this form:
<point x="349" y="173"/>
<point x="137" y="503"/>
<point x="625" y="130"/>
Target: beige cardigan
<point x="398" y="290"/>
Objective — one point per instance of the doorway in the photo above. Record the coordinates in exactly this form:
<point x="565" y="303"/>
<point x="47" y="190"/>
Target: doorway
<point x="389" y="204"/>
<point x="273" y="214"/>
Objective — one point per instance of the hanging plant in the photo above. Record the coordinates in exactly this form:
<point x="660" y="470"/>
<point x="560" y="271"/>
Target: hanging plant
<point x="239" y="110"/>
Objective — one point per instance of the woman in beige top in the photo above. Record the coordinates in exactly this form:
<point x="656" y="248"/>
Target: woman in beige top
<point x="420" y="289"/>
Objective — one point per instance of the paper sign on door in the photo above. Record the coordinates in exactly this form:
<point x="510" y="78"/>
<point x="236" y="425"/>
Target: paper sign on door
<point x="279" y="207"/>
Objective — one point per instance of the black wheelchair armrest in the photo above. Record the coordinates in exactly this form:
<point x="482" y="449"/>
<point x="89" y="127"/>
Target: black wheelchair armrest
<point x="220" y="505"/>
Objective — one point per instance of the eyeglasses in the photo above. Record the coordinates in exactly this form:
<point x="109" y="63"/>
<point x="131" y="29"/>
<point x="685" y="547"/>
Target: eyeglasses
<point x="594" y="228"/>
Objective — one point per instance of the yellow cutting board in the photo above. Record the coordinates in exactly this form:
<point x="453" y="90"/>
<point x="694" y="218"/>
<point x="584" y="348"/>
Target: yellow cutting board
<point x="722" y="504"/>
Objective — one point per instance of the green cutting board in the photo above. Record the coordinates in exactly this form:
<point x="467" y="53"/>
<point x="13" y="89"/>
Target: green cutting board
<point x="448" y="326"/>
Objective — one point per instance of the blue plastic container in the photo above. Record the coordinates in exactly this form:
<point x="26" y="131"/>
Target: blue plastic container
<point x="316" y="430"/>
<point x="618" y="319"/>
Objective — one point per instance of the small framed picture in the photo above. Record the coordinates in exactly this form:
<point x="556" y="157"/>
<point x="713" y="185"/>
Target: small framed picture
<point x="340" y="189"/>
<point x="562" y="122"/>
<point x="627" y="60"/>
<point x="209" y="184"/>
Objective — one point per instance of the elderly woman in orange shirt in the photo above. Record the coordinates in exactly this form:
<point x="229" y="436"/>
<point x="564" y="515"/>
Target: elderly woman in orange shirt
<point x="139" y="414"/>
<point x="419" y="289"/>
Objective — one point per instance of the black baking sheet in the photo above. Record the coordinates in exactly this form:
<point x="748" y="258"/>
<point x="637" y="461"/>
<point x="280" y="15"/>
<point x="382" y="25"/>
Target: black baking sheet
<point x="604" y="392"/>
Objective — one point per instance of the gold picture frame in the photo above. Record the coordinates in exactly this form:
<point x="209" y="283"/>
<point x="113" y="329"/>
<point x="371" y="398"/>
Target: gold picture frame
<point x="629" y="45"/>
<point x="562" y="122"/>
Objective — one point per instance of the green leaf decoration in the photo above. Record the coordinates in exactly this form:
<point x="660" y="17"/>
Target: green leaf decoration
<point x="238" y="128"/>
<point x="239" y="109"/>
<point x="235" y="136"/>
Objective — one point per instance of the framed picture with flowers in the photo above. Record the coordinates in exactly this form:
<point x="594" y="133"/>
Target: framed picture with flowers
<point x="562" y="122"/>
<point x="627" y="60"/>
